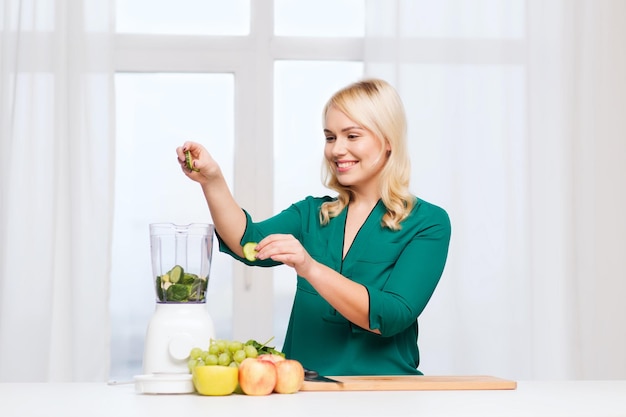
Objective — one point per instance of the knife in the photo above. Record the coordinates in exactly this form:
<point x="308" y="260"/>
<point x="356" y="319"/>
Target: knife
<point x="314" y="376"/>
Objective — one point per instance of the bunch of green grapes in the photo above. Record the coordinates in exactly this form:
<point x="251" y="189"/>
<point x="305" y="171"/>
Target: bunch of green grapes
<point x="222" y="352"/>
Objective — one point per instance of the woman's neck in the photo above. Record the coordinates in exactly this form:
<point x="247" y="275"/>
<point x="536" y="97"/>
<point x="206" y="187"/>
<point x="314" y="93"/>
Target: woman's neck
<point x="364" y="201"/>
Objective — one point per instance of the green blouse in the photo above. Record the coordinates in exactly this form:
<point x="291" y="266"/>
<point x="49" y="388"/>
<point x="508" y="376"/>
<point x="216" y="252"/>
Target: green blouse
<point x="400" y="270"/>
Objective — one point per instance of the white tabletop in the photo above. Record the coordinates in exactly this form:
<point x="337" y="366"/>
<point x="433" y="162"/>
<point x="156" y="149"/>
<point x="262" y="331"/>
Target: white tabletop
<point x="546" y="399"/>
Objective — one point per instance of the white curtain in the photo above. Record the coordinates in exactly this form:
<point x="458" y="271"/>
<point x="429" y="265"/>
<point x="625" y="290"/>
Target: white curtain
<point x="522" y="138"/>
<point x="56" y="195"/>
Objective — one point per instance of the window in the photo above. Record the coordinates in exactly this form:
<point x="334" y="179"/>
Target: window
<point x="321" y="18"/>
<point x="213" y="85"/>
<point x="249" y="79"/>
<point x="184" y="17"/>
<point x="151" y="189"/>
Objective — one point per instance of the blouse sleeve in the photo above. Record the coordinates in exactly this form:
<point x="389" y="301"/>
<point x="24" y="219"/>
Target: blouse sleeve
<point x="413" y="279"/>
<point x="289" y="221"/>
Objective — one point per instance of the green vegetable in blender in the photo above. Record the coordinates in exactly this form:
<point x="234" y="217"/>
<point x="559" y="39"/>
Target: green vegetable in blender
<point x="197" y="289"/>
<point x="159" y="288"/>
<point x="175" y="274"/>
<point x="188" y="278"/>
<point x="177" y="292"/>
<point x="179" y="286"/>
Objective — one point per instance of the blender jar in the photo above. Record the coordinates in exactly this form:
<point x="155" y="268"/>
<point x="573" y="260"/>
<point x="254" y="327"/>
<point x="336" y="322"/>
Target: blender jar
<point x="181" y="261"/>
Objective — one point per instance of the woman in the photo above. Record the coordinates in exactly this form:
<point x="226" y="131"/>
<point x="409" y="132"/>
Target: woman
<point x="367" y="260"/>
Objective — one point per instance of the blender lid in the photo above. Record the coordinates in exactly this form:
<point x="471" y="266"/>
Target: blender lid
<point x="164" y="384"/>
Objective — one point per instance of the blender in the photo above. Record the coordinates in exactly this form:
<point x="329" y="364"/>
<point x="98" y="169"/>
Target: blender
<point x="181" y="262"/>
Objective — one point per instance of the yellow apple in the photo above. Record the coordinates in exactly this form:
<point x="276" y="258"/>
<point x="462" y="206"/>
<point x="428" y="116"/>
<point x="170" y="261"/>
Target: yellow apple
<point x="289" y="376"/>
<point x="215" y="379"/>
<point x="257" y="376"/>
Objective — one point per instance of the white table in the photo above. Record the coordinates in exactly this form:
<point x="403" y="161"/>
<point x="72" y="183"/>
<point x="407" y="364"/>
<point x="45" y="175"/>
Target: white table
<point x="536" y="398"/>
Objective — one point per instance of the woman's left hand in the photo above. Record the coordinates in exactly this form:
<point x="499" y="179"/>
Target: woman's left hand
<point x="288" y="250"/>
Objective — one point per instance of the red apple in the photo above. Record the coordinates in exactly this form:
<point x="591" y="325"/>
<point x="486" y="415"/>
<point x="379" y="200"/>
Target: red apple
<point x="289" y="376"/>
<point x="257" y="377"/>
<point x="272" y="357"/>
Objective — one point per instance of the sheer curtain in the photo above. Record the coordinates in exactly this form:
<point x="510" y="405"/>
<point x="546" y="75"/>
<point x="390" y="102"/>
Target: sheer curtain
<point x="520" y="133"/>
<point x="56" y="195"/>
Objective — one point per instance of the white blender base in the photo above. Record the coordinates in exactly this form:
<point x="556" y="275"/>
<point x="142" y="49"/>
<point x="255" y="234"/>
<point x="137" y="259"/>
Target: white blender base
<point x="172" y="332"/>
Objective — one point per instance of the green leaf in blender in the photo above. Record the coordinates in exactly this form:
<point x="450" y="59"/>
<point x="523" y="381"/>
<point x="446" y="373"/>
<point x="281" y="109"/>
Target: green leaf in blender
<point x="198" y="289"/>
<point x="177" y="292"/>
<point x="188" y="278"/>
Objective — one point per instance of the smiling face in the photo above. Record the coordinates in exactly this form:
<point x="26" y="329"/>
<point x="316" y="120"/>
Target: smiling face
<point x="355" y="155"/>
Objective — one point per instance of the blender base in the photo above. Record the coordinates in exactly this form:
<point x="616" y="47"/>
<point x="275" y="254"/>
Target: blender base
<point x="164" y="384"/>
<point x="173" y="331"/>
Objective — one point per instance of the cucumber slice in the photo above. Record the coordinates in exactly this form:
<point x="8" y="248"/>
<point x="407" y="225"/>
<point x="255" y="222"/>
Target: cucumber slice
<point x="176" y="273"/>
<point x="249" y="251"/>
<point x="159" y="288"/>
<point x="189" y="161"/>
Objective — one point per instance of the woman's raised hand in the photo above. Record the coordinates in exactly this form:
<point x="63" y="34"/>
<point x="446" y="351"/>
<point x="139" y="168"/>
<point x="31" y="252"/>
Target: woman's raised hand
<point x="204" y="167"/>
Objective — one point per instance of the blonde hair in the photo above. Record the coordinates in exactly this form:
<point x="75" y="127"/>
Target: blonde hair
<point x="376" y="106"/>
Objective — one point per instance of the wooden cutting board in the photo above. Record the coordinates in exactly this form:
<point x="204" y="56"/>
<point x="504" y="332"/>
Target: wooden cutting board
<point x="411" y="383"/>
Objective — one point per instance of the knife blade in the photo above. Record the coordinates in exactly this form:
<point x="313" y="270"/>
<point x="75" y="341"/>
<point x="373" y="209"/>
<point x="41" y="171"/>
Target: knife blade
<point x="314" y="376"/>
